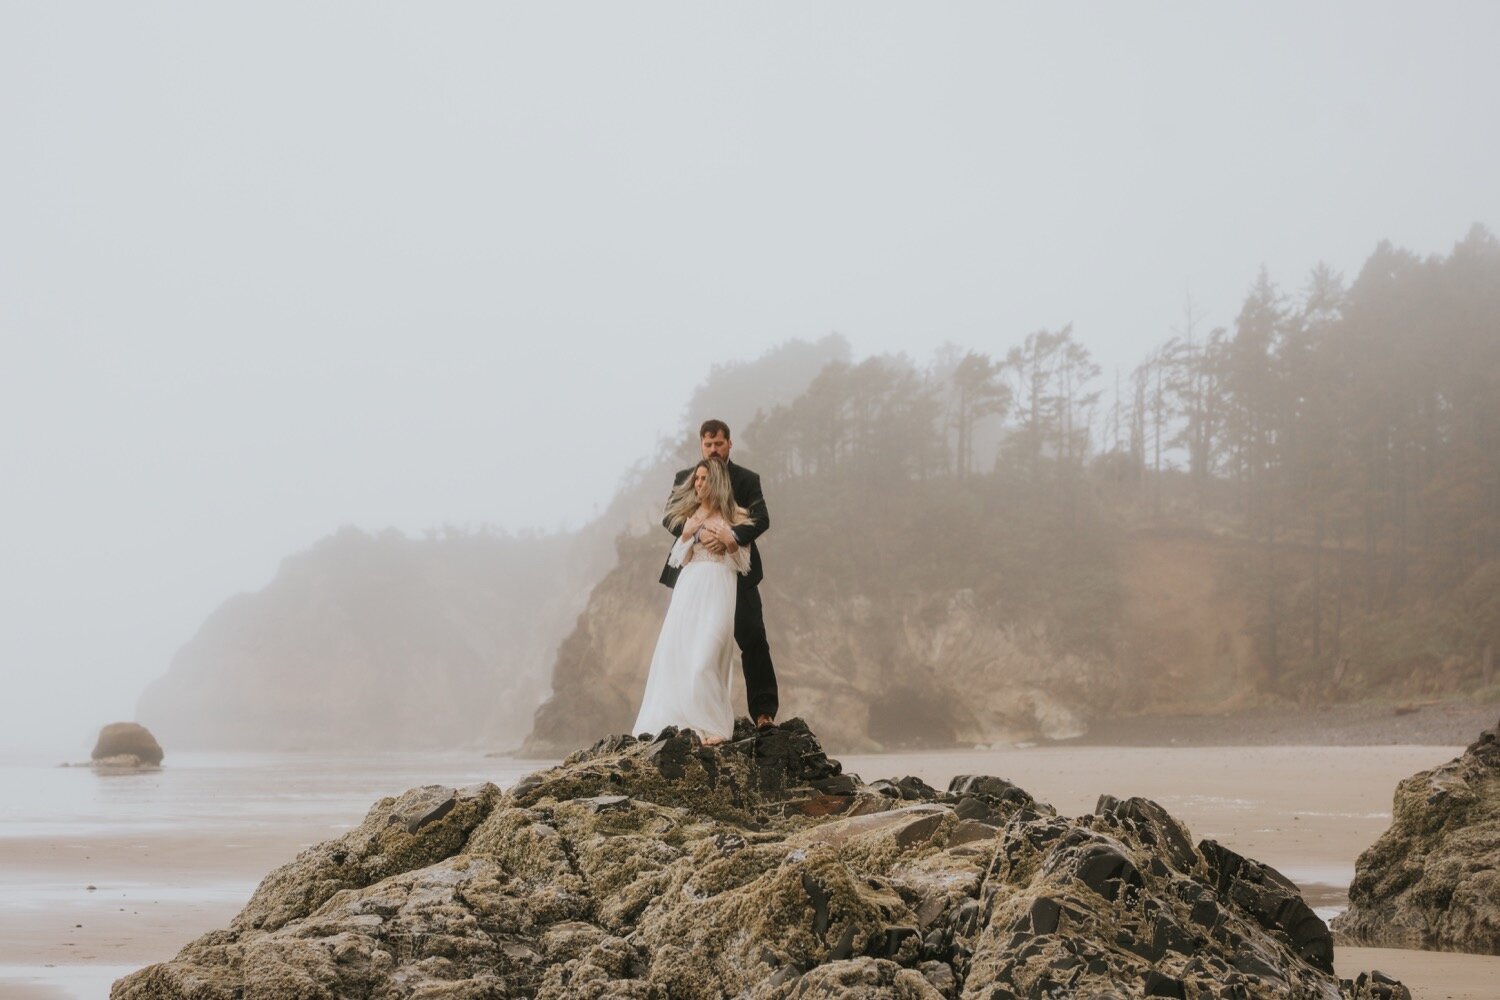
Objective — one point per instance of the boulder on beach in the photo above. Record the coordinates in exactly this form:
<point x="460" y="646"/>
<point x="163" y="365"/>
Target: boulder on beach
<point x="661" y="868"/>
<point x="126" y="744"/>
<point x="1433" y="879"/>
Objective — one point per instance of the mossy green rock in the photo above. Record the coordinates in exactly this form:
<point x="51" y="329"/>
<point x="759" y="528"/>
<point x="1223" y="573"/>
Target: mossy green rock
<point x="1433" y="879"/>
<point x="661" y="869"/>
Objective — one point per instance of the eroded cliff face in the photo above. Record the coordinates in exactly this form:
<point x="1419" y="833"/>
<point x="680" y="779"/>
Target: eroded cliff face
<point x="935" y="669"/>
<point x="874" y="666"/>
<point x="375" y="642"/>
<point x="875" y="669"/>
<point x="666" y="870"/>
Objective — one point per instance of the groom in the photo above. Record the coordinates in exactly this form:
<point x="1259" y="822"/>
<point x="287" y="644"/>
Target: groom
<point x="749" y="623"/>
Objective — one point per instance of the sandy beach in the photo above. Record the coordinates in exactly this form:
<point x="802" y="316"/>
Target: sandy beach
<point x="103" y="873"/>
<point x="83" y="902"/>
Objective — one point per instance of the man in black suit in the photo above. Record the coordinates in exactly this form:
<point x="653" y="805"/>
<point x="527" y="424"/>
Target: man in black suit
<point x="749" y="621"/>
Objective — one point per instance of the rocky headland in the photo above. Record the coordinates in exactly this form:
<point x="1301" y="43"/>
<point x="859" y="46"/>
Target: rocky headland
<point x="660" y="868"/>
<point x="378" y="642"/>
<point x="1433" y="879"/>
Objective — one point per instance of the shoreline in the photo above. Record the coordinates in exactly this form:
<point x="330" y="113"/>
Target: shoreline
<point x="1306" y="810"/>
<point x="1435" y="723"/>
<point x="1360" y="724"/>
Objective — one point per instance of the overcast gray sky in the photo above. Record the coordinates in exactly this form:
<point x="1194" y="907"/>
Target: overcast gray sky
<point x="271" y="268"/>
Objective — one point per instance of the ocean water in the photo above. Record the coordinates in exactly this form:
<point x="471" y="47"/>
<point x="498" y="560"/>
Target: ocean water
<point x="59" y="824"/>
<point x="226" y="791"/>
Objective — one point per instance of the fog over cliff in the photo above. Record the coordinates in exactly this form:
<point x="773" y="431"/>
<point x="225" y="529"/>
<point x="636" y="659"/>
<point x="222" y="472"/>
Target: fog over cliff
<point x="271" y="271"/>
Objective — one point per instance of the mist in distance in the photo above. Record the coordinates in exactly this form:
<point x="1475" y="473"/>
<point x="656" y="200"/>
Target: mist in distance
<point x="269" y="272"/>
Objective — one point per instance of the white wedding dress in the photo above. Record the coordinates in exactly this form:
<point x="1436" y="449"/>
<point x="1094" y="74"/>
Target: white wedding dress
<point x="689" y="683"/>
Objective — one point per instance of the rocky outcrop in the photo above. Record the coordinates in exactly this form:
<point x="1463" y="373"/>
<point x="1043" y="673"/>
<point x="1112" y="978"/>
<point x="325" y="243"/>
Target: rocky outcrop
<point x="126" y="745"/>
<point x="1433" y="879"/>
<point x="661" y="868"/>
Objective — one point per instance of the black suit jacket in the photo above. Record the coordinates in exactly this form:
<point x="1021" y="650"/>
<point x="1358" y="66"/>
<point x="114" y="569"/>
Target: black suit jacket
<point x="747" y="494"/>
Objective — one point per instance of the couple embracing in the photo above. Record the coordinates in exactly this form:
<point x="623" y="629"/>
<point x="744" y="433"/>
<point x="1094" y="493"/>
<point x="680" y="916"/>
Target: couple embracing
<point x="716" y="511"/>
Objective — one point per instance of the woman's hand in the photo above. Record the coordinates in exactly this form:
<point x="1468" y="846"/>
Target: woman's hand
<point x="718" y="538"/>
<point x="691" y="526"/>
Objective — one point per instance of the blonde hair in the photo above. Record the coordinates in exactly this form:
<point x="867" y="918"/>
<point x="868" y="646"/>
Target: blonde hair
<point x="684" y="499"/>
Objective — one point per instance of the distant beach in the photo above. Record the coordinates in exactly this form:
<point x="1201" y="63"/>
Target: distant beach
<point x="1411" y="723"/>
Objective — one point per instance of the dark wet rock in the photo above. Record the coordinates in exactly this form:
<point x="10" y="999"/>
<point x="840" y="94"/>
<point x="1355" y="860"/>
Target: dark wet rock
<point x="988" y="799"/>
<point x="838" y="784"/>
<point x="998" y="791"/>
<point x="659" y="868"/>
<point x="1273" y="900"/>
<point x="126" y="745"/>
<point x="970" y="830"/>
<point x="1433" y="879"/>
<point x="914" y="788"/>
<point x="1374" y="985"/>
<point x="1154" y="826"/>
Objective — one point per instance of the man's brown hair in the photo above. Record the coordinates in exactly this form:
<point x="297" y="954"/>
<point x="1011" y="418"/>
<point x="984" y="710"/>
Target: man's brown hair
<point x="715" y="427"/>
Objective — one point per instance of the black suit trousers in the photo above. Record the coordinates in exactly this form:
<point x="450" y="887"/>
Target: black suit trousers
<point x="755" y="652"/>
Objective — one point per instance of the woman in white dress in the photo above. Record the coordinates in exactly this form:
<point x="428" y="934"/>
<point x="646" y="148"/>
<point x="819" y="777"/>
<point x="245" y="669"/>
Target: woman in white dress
<point x="688" y="686"/>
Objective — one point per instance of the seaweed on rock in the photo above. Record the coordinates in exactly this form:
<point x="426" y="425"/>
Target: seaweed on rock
<point x="660" y="868"/>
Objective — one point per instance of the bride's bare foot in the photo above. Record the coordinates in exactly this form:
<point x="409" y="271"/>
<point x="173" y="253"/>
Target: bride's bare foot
<point x="712" y="741"/>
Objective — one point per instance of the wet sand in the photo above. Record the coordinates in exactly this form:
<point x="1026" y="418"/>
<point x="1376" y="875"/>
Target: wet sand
<point x="25" y="991"/>
<point x="1430" y="975"/>
<point x="1308" y="811"/>
<point x="171" y="854"/>
<point x="1421" y="723"/>
<point x="109" y="901"/>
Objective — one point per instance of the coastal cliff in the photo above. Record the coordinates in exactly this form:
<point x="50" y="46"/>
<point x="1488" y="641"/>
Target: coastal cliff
<point x="922" y="670"/>
<point x="377" y="642"/>
<point x="931" y="647"/>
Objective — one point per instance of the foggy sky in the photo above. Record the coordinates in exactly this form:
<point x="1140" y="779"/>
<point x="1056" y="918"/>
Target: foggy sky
<point x="269" y="270"/>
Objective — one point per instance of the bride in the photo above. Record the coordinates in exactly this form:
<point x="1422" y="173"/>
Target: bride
<point x="689" y="683"/>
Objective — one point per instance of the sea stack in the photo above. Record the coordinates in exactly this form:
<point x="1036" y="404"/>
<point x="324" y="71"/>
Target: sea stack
<point x="1432" y="880"/>
<point x="126" y="745"/>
